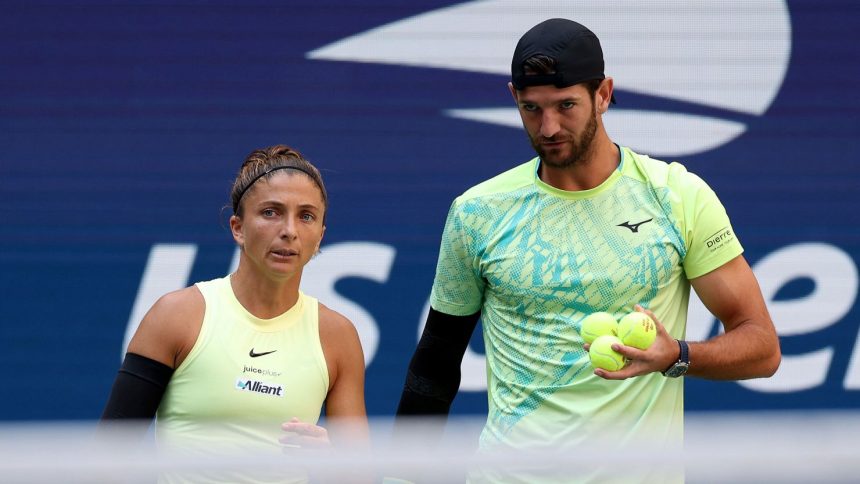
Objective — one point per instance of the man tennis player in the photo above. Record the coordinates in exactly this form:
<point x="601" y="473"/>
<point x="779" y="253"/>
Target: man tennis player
<point x="587" y="225"/>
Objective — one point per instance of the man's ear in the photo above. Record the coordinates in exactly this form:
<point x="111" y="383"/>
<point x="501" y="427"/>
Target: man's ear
<point x="603" y="96"/>
<point x="236" y="229"/>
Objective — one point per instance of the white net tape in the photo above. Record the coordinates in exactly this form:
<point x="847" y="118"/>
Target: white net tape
<point x="752" y="447"/>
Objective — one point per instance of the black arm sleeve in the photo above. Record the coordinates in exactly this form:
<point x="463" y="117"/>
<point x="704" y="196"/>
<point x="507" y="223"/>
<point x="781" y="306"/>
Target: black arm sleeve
<point x="138" y="388"/>
<point x="433" y="377"/>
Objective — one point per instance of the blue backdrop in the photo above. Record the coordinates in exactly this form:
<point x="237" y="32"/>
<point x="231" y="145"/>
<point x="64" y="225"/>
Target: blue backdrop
<point x="122" y="125"/>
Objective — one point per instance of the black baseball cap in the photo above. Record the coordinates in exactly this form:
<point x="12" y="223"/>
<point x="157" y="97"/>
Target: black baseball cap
<point x="574" y="47"/>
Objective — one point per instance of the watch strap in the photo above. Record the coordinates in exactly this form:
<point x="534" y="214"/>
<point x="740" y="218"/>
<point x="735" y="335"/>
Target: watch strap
<point x="684" y="357"/>
<point x="679" y="367"/>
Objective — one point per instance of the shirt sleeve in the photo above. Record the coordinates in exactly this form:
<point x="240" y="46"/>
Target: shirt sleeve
<point x="708" y="234"/>
<point x="458" y="287"/>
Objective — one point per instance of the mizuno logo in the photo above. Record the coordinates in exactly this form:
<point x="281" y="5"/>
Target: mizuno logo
<point x="634" y="227"/>
<point x="254" y="355"/>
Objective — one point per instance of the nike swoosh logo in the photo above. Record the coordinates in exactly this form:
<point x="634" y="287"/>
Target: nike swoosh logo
<point x="634" y="227"/>
<point x="254" y="355"/>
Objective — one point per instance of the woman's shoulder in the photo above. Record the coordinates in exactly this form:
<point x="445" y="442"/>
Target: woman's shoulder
<point x="169" y="329"/>
<point x="179" y="304"/>
<point x="337" y="331"/>
<point x="341" y="345"/>
<point x="331" y="320"/>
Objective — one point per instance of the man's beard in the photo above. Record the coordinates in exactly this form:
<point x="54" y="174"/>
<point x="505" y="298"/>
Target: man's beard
<point x="579" y="148"/>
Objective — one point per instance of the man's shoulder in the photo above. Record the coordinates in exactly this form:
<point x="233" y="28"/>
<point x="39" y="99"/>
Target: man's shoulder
<point x="514" y="179"/>
<point x="659" y="173"/>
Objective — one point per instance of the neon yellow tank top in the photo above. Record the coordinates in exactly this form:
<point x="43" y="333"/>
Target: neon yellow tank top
<point x="243" y="378"/>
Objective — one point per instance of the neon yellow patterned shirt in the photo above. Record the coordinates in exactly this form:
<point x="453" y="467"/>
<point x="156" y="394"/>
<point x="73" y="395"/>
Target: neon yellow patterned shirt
<point x="536" y="260"/>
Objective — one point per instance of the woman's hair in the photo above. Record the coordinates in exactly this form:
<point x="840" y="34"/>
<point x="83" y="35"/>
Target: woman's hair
<point x="263" y="163"/>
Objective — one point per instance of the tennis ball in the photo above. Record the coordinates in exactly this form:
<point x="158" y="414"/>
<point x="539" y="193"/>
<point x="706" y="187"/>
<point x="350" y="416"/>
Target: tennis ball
<point x="603" y="356"/>
<point x="637" y="329"/>
<point x="598" y="324"/>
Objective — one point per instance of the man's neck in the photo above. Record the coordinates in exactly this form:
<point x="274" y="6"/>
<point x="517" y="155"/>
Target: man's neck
<point x="587" y="174"/>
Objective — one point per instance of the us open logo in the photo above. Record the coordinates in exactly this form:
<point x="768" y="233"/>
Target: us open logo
<point x="256" y="386"/>
<point x="720" y="67"/>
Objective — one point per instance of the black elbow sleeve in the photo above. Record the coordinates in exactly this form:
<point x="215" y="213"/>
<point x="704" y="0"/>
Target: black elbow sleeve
<point x="138" y="389"/>
<point x="433" y="377"/>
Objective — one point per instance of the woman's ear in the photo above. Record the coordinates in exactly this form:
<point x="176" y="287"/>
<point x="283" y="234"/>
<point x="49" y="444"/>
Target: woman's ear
<point x="236" y="229"/>
<point x="319" y="242"/>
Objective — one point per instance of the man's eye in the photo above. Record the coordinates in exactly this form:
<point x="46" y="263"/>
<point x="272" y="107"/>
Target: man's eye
<point x="567" y="105"/>
<point x="529" y="107"/>
<point x="308" y="217"/>
<point x="269" y="212"/>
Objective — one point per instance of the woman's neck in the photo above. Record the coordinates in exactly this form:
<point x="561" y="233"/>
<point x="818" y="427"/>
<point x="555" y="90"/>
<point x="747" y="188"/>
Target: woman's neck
<point x="264" y="297"/>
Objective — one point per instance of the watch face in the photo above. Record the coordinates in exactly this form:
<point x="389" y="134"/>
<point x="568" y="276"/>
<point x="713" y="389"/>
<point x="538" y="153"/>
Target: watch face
<point x="678" y="369"/>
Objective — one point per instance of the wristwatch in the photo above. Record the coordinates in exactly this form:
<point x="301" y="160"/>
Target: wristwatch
<point x="679" y="368"/>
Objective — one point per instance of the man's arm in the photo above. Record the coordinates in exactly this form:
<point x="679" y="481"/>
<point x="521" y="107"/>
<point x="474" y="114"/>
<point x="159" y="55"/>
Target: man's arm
<point x="749" y="348"/>
<point x="433" y="377"/>
<point x="432" y="382"/>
